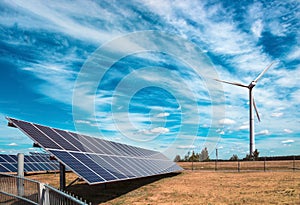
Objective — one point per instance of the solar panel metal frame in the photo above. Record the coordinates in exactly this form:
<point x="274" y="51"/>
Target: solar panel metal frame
<point x="115" y="155"/>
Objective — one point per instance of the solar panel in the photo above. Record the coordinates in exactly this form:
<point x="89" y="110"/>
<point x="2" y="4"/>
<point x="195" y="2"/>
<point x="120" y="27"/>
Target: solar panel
<point x="32" y="163"/>
<point x="94" y="159"/>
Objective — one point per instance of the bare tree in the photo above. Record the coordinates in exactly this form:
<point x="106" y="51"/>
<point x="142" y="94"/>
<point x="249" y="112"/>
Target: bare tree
<point x="177" y="158"/>
<point x="234" y="158"/>
<point x="256" y="154"/>
<point x="204" y="155"/>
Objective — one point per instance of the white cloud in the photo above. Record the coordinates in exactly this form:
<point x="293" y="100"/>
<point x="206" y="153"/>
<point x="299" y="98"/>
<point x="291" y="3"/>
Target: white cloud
<point x="288" y="131"/>
<point x="13" y="144"/>
<point x="58" y="80"/>
<point x="156" y="130"/>
<point x="243" y="127"/>
<point x="263" y="132"/>
<point x="186" y="147"/>
<point x="227" y="121"/>
<point x="257" y="28"/>
<point x="288" y="78"/>
<point x="295" y="53"/>
<point x="296" y="96"/>
<point x="221" y="132"/>
<point x="277" y="114"/>
<point x="289" y="141"/>
<point x="83" y="122"/>
<point x="163" y="114"/>
<point x="60" y="17"/>
<point x="162" y="130"/>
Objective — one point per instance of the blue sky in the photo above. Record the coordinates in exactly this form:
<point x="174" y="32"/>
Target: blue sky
<point x="158" y="90"/>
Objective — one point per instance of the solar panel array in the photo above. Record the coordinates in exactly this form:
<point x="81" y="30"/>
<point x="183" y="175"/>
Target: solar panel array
<point x="97" y="160"/>
<point x="32" y="163"/>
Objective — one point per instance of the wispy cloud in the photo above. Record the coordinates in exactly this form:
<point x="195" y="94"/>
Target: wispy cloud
<point x="61" y="17"/>
<point x="186" y="147"/>
<point x="156" y="130"/>
<point x="163" y="114"/>
<point x="289" y="141"/>
<point x="243" y="127"/>
<point x="227" y="121"/>
<point x="277" y="114"/>
<point x="288" y="131"/>
<point x="263" y="132"/>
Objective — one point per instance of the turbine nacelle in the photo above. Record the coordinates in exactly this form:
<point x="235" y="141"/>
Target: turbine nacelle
<point x="252" y="84"/>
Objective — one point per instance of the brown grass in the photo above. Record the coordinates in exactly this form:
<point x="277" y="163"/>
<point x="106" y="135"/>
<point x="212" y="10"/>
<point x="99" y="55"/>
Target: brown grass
<point x="191" y="187"/>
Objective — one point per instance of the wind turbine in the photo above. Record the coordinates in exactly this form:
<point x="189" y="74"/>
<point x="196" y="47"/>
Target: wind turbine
<point x="251" y="105"/>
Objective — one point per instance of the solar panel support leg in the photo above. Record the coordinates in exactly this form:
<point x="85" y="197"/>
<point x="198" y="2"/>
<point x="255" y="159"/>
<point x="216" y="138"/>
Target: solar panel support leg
<point x="62" y="176"/>
<point x="77" y="179"/>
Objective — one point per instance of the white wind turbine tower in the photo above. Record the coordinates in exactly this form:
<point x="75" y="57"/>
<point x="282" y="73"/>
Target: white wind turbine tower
<point x="251" y="105"/>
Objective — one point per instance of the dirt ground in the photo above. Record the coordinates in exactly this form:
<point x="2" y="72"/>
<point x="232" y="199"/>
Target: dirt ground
<point x="191" y="187"/>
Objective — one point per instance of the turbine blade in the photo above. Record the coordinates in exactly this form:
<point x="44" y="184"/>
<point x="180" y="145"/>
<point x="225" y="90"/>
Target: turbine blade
<point x="255" y="108"/>
<point x="264" y="71"/>
<point x="232" y="83"/>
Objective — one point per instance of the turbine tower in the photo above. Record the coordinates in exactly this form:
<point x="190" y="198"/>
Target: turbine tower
<point x="251" y="105"/>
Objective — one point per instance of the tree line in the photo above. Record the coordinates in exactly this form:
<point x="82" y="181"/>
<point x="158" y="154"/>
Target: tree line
<point x="203" y="156"/>
<point x="194" y="157"/>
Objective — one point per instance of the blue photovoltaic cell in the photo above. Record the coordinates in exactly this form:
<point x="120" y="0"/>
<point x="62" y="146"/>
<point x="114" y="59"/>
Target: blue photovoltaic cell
<point x="56" y="138"/>
<point x="4" y="169"/>
<point x="36" y="163"/>
<point x="94" y="166"/>
<point x="146" y="164"/>
<point x="132" y="162"/>
<point x="10" y="167"/>
<point x="35" y="134"/>
<point x="108" y="165"/>
<point x="130" y="169"/>
<point x="1" y="159"/>
<point x="94" y="159"/>
<point x="28" y="167"/>
<point x="97" y="145"/>
<point x="79" y="167"/>
<point x="118" y="166"/>
<point x="35" y="166"/>
<point x="75" y="141"/>
<point x="9" y="158"/>
<point x="45" y="166"/>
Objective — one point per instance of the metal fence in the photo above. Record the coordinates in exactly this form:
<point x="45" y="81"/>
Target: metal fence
<point x="243" y="166"/>
<point x="23" y="191"/>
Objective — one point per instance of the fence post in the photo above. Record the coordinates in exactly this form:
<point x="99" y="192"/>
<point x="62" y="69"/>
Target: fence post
<point x="294" y="167"/>
<point x="20" y="180"/>
<point x="265" y="164"/>
<point x="239" y="166"/>
<point x="216" y="162"/>
<point x="44" y="195"/>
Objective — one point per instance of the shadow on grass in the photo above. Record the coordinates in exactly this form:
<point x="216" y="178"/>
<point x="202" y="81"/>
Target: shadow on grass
<point x="102" y="193"/>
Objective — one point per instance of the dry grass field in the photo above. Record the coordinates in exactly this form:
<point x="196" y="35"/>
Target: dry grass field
<point x="191" y="187"/>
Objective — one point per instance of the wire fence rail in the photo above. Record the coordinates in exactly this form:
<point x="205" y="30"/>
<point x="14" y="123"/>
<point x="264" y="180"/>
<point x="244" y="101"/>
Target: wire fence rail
<point x="243" y="166"/>
<point x="15" y="190"/>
